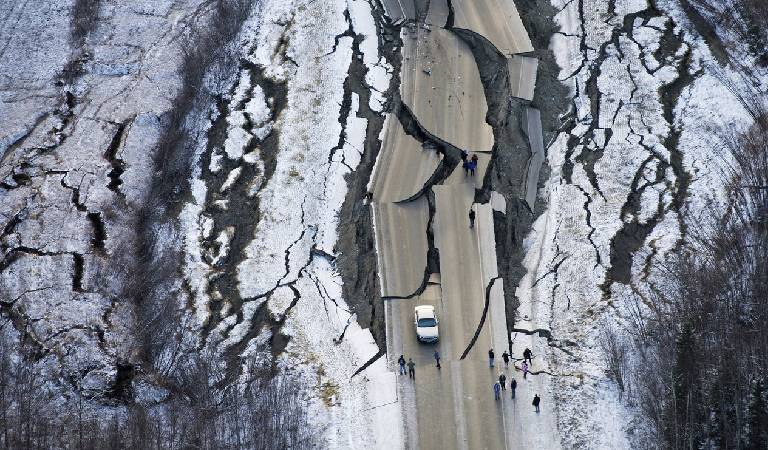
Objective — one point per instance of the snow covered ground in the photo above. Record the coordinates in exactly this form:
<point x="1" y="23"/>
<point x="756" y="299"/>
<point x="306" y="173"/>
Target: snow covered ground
<point x="632" y="170"/>
<point x="288" y="263"/>
<point x="259" y="230"/>
<point x="74" y="132"/>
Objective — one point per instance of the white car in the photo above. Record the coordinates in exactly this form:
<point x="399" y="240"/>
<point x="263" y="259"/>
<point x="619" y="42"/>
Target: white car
<point x="426" y="323"/>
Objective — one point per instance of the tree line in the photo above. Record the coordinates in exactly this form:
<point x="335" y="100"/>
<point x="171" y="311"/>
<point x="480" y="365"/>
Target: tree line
<point x="203" y="412"/>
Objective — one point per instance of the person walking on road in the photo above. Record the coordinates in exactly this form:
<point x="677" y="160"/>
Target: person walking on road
<point x="513" y="386"/>
<point x="490" y="357"/>
<point x="505" y="357"/>
<point x="473" y="164"/>
<point x="437" y="359"/>
<point x="471" y="218"/>
<point x="536" y="401"/>
<point x="496" y="390"/>
<point x="401" y="362"/>
<point x="503" y="381"/>
<point x="411" y="368"/>
<point x="525" y="369"/>
<point x="527" y="355"/>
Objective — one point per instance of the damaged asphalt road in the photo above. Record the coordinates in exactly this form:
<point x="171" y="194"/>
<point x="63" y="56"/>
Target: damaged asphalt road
<point x="453" y="261"/>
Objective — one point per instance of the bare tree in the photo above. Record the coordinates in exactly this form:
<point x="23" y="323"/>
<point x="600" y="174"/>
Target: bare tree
<point x="702" y="340"/>
<point x="613" y="347"/>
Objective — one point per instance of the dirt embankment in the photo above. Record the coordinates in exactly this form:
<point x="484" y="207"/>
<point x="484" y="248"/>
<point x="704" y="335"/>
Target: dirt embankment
<point x="356" y="244"/>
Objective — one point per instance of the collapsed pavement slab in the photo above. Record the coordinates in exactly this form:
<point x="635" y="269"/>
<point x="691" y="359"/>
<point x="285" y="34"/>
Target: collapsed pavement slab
<point x="403" y="166"/>
<point x="522" y="76"/>
<point x="399" y="10"/>
<point x="441" y="87"/>
<point x="532" y="126"/>
<point x="496" y="20"/>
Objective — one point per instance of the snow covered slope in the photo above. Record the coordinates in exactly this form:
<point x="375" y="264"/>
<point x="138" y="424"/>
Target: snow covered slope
<point x="633" y="169"/>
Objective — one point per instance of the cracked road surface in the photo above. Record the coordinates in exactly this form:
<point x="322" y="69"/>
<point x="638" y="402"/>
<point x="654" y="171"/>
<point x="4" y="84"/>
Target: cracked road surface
<point x="453" y="407"/>
<point x="432" y="249"/>
<point x="442" y="88"/>
<point x="496" y="20"/>
<point x="434" y="12"/>
<point x="401" y="243"/>
<point x="407" y="159"/>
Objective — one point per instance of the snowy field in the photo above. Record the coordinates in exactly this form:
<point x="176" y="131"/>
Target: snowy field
<point x="69" y="123"/>
<point x="289" y="261"/>
<point x="634" y="168"/>
<point x="259" y="230"/>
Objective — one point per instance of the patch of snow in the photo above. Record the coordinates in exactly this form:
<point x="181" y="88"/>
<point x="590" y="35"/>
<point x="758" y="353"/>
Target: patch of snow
<point x="231" y="179"/>
<point x="215" y="164"/>
<point x="259" y="113"/>
<point x="196" y="269"/>
<point x="379" y="72"/>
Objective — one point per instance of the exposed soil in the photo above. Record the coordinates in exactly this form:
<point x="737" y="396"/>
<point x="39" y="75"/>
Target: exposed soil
<point x="356" y="245"/>
<point x="224" y="286"/>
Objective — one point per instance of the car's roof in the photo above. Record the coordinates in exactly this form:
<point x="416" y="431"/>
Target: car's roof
<point x="425" y="311"/>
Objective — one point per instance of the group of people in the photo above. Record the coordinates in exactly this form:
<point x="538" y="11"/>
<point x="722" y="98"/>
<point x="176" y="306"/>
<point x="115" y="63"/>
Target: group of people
<point x="412" y="365"/>
<point x="527" y="357"/>
<point x="469" y="164"/>
<point x="501" y="384"/>
<point x="498" y="386"/>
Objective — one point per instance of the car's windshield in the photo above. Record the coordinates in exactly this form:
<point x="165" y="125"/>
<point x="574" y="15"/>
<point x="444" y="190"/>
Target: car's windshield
<point x="427" y="322"/>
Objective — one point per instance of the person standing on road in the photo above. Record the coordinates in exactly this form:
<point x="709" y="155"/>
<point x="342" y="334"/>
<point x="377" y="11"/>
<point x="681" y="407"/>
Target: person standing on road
<point x="525" y="369"/>
<point x="527" y="355"/>
<point x="471" y="218"/>
<point x="490" y="358"/>
<point x="505" y="357"/>
<point x="473" y="164"/>
<point x="401" y="362"/>
<point x="437" y="359"/>
<point x="496" y="390"/>
<point x="536" y="401"/>
<point x="503" y="381"/>
<point x="411" y="368"/>
<point x="513" y="386"/>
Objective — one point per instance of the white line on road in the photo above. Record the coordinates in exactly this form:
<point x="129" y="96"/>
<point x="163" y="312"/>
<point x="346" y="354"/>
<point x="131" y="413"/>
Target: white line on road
<point x="458" y="406"/>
